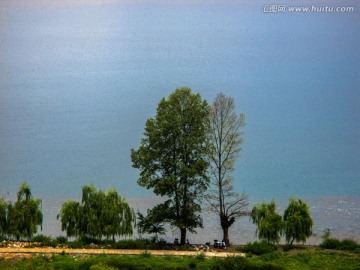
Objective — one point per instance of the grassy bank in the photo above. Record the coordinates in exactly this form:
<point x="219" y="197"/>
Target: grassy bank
<point x="143" y="262"/>
<point x="310" y="258"/>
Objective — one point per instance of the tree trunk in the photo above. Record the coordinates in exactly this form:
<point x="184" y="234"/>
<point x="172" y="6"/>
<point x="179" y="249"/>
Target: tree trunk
<point x="226" y="235"/>
<point x="183" y="236"/>
<point x="225" y="225"/>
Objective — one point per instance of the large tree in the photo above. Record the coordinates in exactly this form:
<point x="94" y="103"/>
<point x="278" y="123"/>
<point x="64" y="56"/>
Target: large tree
<point x="226" y="139"/>
<point x="172" y="158"/>
<point x="24" y="216"/>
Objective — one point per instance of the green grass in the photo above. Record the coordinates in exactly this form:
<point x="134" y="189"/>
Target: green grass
<point x="295" y="259"/>
<point x="312" y="259"/>
<point x="143" y="262"/>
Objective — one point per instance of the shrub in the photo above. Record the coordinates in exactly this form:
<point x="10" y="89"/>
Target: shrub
<point x="327" y="234"/>
<point x="349" y="244"/>
<point x="44" y="241"/>
<point x="61" y="240"/>
<point x="288" y="247"/>
<point x="346" y="244"/>
<point x="132" y="244"/>
<point x="140" y="244"/>
<point x="258" y="248"/>
<point x="76" y="244"/>
<point x="330" y="243"/>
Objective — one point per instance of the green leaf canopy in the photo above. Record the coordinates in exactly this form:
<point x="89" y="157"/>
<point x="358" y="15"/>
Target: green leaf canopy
<point x="172" y="158"/>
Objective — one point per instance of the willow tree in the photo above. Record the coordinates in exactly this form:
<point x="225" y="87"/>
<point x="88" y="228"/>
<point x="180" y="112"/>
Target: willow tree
<point x="226" y="139"/>
<point x="172" y="159"/>
<point x="24" y="216"/>
<point x="297" y="221"/>
<point x="99" y="215"/>
<point x="69" y="216"/>
<point x="117" y="218"/>
<point x="269" y="222"/>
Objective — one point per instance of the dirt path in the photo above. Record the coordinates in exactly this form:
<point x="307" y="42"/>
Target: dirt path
<point x="18" y="252"/>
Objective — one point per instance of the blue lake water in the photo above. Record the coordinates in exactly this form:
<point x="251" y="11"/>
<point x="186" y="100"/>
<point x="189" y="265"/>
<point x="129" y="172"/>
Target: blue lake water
<point x="79" y="80"/>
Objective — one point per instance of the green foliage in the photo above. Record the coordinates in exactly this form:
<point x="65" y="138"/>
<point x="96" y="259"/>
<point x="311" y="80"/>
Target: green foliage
<point x="69" y="217"/>
<point x="172" y="158"/>
<point x="257" y="248"/>
<point x="345" y="244"/>
<point x="287" y="247"/>
<point x="131" y="244"/>
<point x="192" y="265"/>
<point x="143" y="244"/>
<point x="330" y="243"/>
<point x="3" y="217"/>
<point x="140" y="244"/>
<point x="312" y="259"/>
<point x="144" y="262"/>
<point x="333" y="243"/>
<point x="101" y="266"/>
<point x="269" y="223"/>
<point x="297" y="222"/>
<point x="151" y="223"/>
<point x="240" y="263"/>
<point x="349" y="244"/>
<point x="200" y="257"/>
<point x="301" y="260"/>
<point x="24" y="216"/>
<point x="327" y="234"/>
<point x="145" y="254"/>
<point x="77" y="244"/>
<point x="45" y="241"/>
<point x="61" y="240"/>
<point x="98" y="215"/>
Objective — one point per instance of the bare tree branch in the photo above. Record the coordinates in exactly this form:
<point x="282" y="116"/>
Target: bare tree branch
<point x="226" y="139"/>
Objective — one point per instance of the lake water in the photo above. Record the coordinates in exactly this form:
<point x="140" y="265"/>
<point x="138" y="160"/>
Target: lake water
<point x="78" y="81"/>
